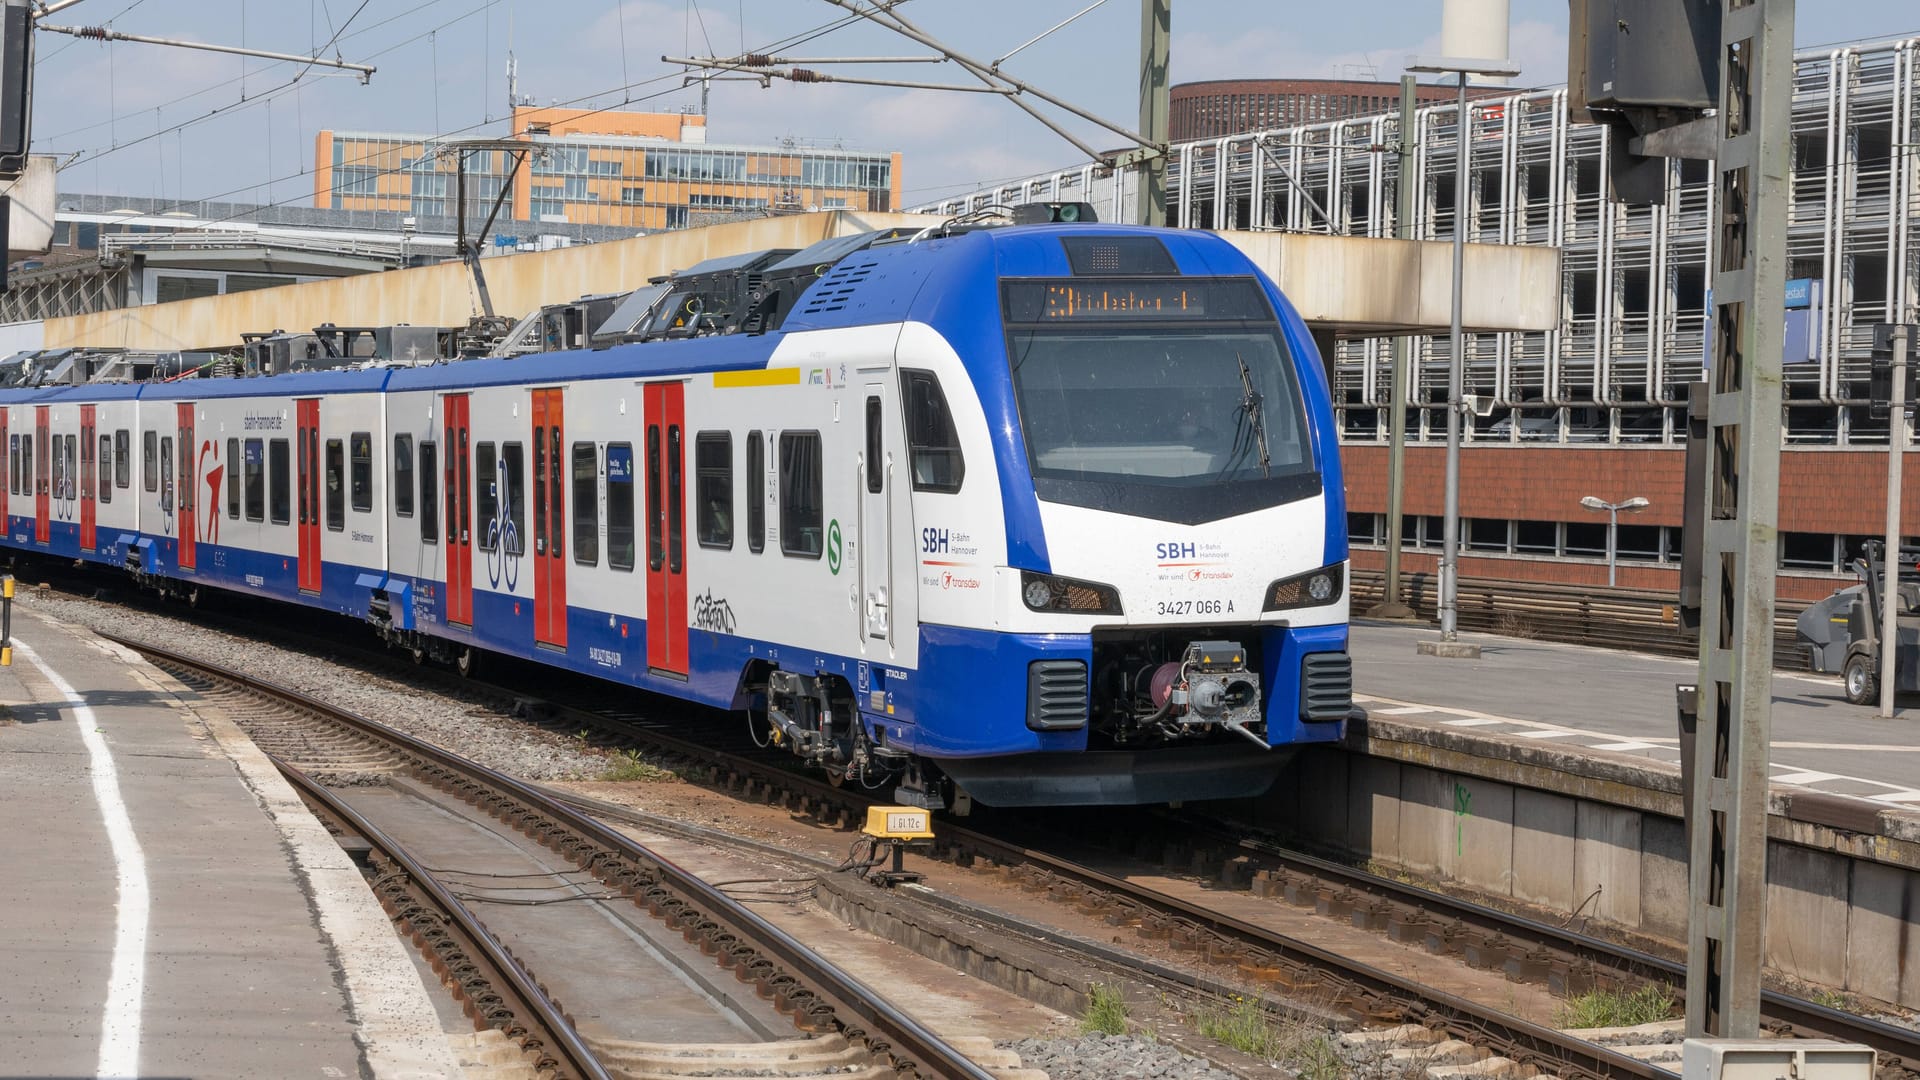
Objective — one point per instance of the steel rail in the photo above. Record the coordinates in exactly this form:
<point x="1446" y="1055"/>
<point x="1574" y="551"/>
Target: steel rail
<point x="887" y="1030"/>
<point x="531" y="1002"/>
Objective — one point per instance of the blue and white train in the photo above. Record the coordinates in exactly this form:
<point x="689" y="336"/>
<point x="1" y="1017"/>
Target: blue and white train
<point x="1028" y="515"/>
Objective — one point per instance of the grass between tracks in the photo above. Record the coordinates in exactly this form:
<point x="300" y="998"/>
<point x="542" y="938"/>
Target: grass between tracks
<point x="1304" y="1048"/>
<point x="631" y="765"/>
<point x="1106" y="1011"/>
<point x="1645" y="1004"/>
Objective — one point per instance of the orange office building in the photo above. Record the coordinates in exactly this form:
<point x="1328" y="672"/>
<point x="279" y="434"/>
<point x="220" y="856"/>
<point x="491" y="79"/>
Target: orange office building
<point x="646" y="171"/>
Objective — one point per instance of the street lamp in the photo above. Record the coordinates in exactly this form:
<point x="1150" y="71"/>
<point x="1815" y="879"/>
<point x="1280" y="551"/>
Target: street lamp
<point x="1462" y="175"/>
<point x="1612" y="510"/>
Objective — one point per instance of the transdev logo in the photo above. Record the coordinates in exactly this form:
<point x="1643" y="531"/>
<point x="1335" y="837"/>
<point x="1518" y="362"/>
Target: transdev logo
<point x="949" y="580"/>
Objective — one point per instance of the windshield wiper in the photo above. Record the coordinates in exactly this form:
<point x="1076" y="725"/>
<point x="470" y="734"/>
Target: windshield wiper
<point x="1251" y="408"/>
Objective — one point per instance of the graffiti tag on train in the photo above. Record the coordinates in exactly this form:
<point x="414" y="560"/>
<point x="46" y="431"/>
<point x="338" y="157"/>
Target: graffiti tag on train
<point x="713" y="614"/>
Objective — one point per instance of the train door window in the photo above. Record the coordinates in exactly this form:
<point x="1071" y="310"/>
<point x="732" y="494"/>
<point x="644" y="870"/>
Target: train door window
<point x="676" y="501"/>
<point x="255" y="466"/>
<point x="279" y="501"/>
<point x="362" y="474"/>
<point x="403" y="475"/>
<point x="122" y="458"/>
<point x="620" y="506"/>
<point x="656" y="551"/>
<point x="13" y="464"/>
<point x="336" y="473"/>
<point x="150" y="460"/>
<point x="233" y="478"/>
<point x="429" y="491"/>
<point x="105" y="466"/>
<point x="756" y="492"/>
<point x="876" y="468"/>
<point x="713" y="489"/>
<point x="540" y="491"/>
<point x="73" y="466"/>
<point x="59" y="469"/>
<point x="586" y="504"/>
<point x="556" y="520"/>
<point x="513" y="493"/>
<point x="26" y="465"/>
<point x="486" y="471"/>
<point x="931" y="441"/>
<point x="801" y="516"/>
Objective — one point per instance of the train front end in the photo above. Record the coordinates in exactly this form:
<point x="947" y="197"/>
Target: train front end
<point x="1171" y="617"/>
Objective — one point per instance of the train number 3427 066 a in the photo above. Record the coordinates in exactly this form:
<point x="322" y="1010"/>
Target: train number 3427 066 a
<point x="1194" y="607"/>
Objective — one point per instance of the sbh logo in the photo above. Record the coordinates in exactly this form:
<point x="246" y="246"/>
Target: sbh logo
<point x="1163" y="552"/>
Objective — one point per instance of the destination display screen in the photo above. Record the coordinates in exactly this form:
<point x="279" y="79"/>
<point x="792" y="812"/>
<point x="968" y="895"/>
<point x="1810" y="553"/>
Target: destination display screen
<point x="1072" y="300"/>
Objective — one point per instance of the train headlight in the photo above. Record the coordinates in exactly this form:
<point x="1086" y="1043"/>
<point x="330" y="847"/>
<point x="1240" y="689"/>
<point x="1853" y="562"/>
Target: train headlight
<point x="1311" y="589"/>
<point x="1050" y="592"/>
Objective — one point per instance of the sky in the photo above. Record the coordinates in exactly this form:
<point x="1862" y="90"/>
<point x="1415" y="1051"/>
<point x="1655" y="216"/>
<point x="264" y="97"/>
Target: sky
<point x="146" y="120"/>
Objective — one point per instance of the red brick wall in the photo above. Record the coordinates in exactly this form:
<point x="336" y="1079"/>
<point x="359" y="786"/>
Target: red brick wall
<point x="1821" y="491"/>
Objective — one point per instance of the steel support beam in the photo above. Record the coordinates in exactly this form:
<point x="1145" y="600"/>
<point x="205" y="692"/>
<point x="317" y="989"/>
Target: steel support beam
<point x="1150" y="199"/>
<point x="1726" y="921"/>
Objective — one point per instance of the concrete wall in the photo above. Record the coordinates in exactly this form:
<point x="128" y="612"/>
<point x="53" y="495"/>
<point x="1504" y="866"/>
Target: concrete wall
<point x="1601" y="834"/>
<point x="443" y="295"/>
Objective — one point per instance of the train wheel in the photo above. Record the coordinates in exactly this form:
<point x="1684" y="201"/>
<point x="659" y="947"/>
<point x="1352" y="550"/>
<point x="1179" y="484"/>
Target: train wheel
<point x="1861" y="684"/>
<point x="193" y="596"/>
<point x="418" y="655"/>
<point x="465" y="662"/>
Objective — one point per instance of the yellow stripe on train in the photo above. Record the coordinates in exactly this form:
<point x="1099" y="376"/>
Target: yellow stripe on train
<point x="780" y="376"/>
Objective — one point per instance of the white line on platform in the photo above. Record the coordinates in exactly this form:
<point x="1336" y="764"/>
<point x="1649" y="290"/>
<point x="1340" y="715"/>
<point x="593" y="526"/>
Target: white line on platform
<point x="120" y="1027"/>
<point x="1548" y="733"/>
<point x="1404" y="710"/>
<point x="1470" y="721"/>
<point x="1905" y="795"/>
<point x="1630" y="744"/>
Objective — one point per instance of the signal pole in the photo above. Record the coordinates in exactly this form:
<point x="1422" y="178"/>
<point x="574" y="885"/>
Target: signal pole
<point x="1390" y="606"/>
<point x="1150" y="199"/>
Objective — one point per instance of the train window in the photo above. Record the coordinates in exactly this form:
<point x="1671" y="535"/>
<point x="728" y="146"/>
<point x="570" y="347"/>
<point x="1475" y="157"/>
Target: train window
<point x="59" y="470"/>
<point x="122" y="458"/>
<point x="556" y="522"/>
<point x="513" y="492"/>
<point x="875" y="466"/>
<point x="586" y="504"/>
<point x="656" y="551"/>
<point x="756" y="492"/>
<point x="801" y="516"/>
<point x="676" y="502"/>
<point x="255" y="465"/>
<point x="429" y="492"/>
<point x="713" y="488"/>
<point x="233" y="478"/>
<point x="540" y="490"/>
<point x="26" y="465"/>
<point x="150" y="460"/>
<point x="486" y="475"/>
<point x="105" y="465"/>
<point x="166" y="472"/>
<point x="403" y="475"/>
<point x="931" y="441"/>
<point x="279" y="501"/>
<point x="13" y="464"/>
<point x="620" y="506"/>
<point x="336" y="473"/>
<point x="362" y="474"/>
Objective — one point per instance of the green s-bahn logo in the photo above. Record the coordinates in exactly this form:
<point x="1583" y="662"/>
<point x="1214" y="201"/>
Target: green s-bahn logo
<point x="833" y="545"/>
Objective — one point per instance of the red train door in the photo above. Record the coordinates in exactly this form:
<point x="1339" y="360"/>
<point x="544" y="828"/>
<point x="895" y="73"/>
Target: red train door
<point x="10" y="466"/>
<point x="88" y="474"/>
<point x="549" y="520"/>
<point x="666" y="528"/>
<point x="188" y="481"/>
<point x="307" y="435"/>
<point x="459" y="488"/>
<point x="42" y="484"/>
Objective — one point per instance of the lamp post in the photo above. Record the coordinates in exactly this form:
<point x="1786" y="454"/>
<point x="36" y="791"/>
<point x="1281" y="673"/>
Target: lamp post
<point x="1462" y="176"/>
<point x="1612" y="510"/>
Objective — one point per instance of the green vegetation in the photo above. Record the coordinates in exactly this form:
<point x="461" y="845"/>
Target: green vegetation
<point x="1833" y="999"/>
<point x="1106" y="1011"/>
<point x="631" y="765"/>
<point x="1645" y="1004"/>
<point x="1303" y="1048"/>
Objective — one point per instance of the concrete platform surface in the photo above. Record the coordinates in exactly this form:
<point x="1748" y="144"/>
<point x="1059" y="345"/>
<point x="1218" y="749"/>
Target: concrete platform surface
<point x="170" y="909"/>
<point x="1576" y="696"/>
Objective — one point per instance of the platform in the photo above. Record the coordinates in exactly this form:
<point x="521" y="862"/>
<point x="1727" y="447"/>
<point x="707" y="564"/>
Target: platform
<point x="170" y="909"/>
<point x="1577" y="696"/>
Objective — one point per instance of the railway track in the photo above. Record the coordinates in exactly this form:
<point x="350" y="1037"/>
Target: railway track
<point x="1479" y="936"/>
<point x="820" y="998"/>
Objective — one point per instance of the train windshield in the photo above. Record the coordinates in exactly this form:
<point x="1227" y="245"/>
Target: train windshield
<point x="1179" y="417"/>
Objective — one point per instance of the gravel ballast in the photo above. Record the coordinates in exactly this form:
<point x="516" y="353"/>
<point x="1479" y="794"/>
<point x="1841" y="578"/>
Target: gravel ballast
<point x="1096" y="1056"/>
